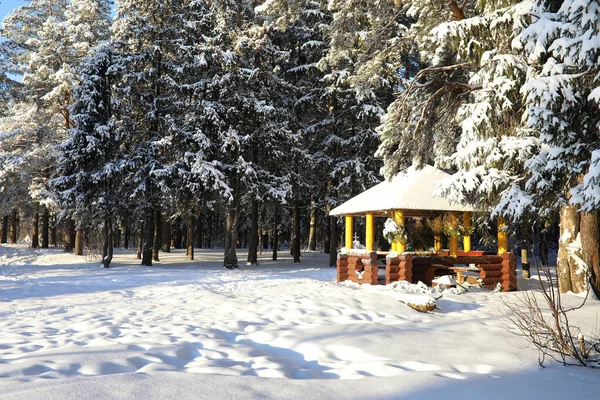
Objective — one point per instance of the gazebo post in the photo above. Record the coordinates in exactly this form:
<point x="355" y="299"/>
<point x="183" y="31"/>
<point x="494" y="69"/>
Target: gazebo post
<point x="437" y="242"/>
<point x="502" y="236"/>
<point x="349" y="231"/>
<point x="369" y="232"/>
<point x="399" y="219"/>
<point x="454" y="240"/>
<point x="467" y="225"/>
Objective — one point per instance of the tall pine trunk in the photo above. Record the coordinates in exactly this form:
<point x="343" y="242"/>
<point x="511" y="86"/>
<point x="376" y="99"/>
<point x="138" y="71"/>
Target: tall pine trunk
<point x="275" y="232"/>
<point x="53" y="233"/>
<point x="148" y="238"/>
<point x="157" y="234"/>
<point x="566" y="264"/>
<point x="79" y="243"/>
<point x="166" y="238"/>
<point x="177" y="242"/>
<point x="296" y="240"/>
<point x="211" y="231"/>
<point x="14" y="226"/>
<point x="590" y="245"/>
<point x="35" y="228"/>
<point x="190" y="237"/>
<point x="126" y="235"/>
<point x="45" y="227"/>
<point x="333" y="236"/>
<point x="117" y="238"/>
<point x="69" y="227"/>
<point x="312" y="235"/>
<point x="199" y="231"/>
<point x="252" y="249"/>
<point x="326" y="230"/>
<point x="107" y="249"/>
<point x="230" y="259"/>
<point x="4" y="233"/>
<point x="140" y="242"/>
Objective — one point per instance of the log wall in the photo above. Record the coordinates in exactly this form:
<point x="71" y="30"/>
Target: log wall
<point x="398" y="269"/>
<point x="363" y="268"/>
<point x="500" y="270"/>
<point x="359" y="268"/>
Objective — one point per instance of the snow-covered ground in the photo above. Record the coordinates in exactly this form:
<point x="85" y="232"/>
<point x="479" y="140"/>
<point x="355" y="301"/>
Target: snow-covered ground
<point x="192" y="330"/>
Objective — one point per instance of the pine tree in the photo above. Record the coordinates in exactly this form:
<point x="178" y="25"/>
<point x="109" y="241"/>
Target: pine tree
<point x="143" y="33"/>
<point x="91" y="167"/>
<point x="41" y="44"/>
<point x="562" y="95"/>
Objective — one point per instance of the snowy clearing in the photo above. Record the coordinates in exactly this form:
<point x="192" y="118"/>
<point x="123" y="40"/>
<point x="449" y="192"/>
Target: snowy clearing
<point x="194" y="330"/>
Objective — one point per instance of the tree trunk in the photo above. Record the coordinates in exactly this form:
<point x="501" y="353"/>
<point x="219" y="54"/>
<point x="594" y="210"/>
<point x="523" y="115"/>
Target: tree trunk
<point x="45" y="227"/>
<point x="569" y="227"/>
<point x="105" y="244"/>
<point x="69" y="227"/>
<point x="4" y="233"/>
<point x="14" y="225"/>
<point x="79" y="243"/>
<point x="157" y="234"/>
<point x="53" y="233"/>
<point x="230" y="260"/>
<point x="275" y="232"/>
<point x="326" y="230"/>
<point x="199" y="231"/>
<point x="141" y="242"/>
<point x="107" y="252"/>
<point x="148" y="239"/>
<point x="590" y="244"/>
<point x="126" y="235"/>
<point x="35" y="228"/>
<point x="253" y="248"/>
<point x="166" y="245"/>
<point x="178" y="234"/>
<point x="333" y="241"/>
<point x="312" y="235"/>
<point x="296" y="225"/>
<point x="211" y="231"/>
<point x="190" y="237"/>
<point x="117" y="238"/>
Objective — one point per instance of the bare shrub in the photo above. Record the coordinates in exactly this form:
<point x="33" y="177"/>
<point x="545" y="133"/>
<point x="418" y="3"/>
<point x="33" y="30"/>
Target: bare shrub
<point x="549" y="330"/>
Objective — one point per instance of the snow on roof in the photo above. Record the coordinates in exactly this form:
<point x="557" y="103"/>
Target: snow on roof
<point x="411" y="189"/>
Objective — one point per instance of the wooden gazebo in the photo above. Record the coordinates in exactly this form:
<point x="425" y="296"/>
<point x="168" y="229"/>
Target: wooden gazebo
<point x="411" y="194"/>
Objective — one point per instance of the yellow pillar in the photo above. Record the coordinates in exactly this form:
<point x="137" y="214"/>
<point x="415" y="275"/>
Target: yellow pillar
<point x="399" y="219"/>
<point x="349" y="231"/>
<point x="370" y="232"/>
<point x="437" y="243"/>
<point x="467" y="225"/>
<point x="453" y="246"/>
<point x="454" y="239"/>
<point x="502" y="236"/>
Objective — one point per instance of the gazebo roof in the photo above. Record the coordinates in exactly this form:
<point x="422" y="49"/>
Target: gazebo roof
<point x="410" y="190"/>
